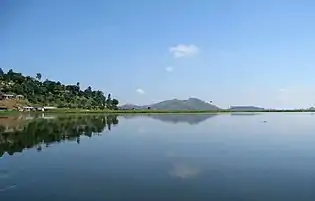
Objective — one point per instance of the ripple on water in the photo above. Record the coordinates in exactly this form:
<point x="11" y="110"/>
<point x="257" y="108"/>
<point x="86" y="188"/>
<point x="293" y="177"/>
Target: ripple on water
<point x="6" y="188"/>
<point x="4" y="180"/>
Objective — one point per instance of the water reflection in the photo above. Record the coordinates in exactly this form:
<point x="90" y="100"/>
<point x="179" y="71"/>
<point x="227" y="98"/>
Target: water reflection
<point x="176" y="118"/>
<point x="41" y="130"/>
<point x="225" y="158"/>
<point x="23" y="132"/>
<point x="245" y="113"/>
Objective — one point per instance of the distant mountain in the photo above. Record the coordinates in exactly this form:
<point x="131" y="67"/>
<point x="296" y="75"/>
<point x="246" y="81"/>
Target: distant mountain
<point x="176" y="104"/>
<point x="131" y="107"/>
<point x="245" y="108"/>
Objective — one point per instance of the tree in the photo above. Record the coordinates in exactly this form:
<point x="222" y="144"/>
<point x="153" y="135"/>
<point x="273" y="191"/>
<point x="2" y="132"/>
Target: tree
<point x="109" y="101"/>
<point x="115" y="103"/>
<point x="98" y="97"/>
<point x="38" y="76"/>
<point x="88" y="92"/>
<point x="1" y="73"/>
<point x="104" y="103"/>
<point x="9" y="75"/>
<point x="10" y="72"/>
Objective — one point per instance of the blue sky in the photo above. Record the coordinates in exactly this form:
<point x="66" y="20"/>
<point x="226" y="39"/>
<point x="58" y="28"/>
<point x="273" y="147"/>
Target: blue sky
<point x="231" y="52"/>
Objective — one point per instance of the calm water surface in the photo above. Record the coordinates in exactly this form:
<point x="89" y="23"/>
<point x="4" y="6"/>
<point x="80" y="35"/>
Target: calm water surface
<point x="159" y="157"/>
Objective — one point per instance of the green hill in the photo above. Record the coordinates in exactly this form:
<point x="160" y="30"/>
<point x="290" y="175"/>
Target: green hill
<point x="189" y="104"/>
<point x="53" y="93"/>
<point x="176" y="104"/>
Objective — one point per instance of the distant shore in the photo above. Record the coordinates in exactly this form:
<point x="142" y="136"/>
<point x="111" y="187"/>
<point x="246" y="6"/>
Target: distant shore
<point x="63" y="110"/>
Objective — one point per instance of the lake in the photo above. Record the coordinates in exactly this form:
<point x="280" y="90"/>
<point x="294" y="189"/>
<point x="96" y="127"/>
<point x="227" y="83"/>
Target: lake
<point x="237" y="157"/>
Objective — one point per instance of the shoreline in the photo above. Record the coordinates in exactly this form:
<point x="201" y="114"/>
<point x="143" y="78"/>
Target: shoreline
<point x="79" y="111"/>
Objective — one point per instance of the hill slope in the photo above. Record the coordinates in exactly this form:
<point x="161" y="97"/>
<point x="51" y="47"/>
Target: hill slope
<point x="176" y="104"/>
<point x="132" y="106"/>
<point x="246" y="108"/>
<point x="14" y="104"/>
<point x="53" y="93"/>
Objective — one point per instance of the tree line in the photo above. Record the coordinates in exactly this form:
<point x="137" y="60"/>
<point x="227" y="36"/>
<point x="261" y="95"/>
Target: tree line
<point x="54" y="93"/>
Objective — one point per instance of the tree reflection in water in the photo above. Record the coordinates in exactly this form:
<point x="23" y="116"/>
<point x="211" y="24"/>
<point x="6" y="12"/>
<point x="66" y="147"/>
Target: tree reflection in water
<point x="39" y="133"/>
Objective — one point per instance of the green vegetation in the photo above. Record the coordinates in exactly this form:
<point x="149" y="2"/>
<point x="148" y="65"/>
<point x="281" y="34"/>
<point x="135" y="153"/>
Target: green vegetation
<point x="52" y="93"/>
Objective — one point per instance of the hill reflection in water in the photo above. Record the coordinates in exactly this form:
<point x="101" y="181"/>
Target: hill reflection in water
<point x="176" y="118"/>
<point x="18" y="133"/>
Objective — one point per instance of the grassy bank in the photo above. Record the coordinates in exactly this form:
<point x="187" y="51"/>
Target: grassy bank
<point x="8" y="112"/>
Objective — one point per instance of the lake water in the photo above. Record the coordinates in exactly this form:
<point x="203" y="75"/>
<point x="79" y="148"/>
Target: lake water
<point x="224" y="157"/>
